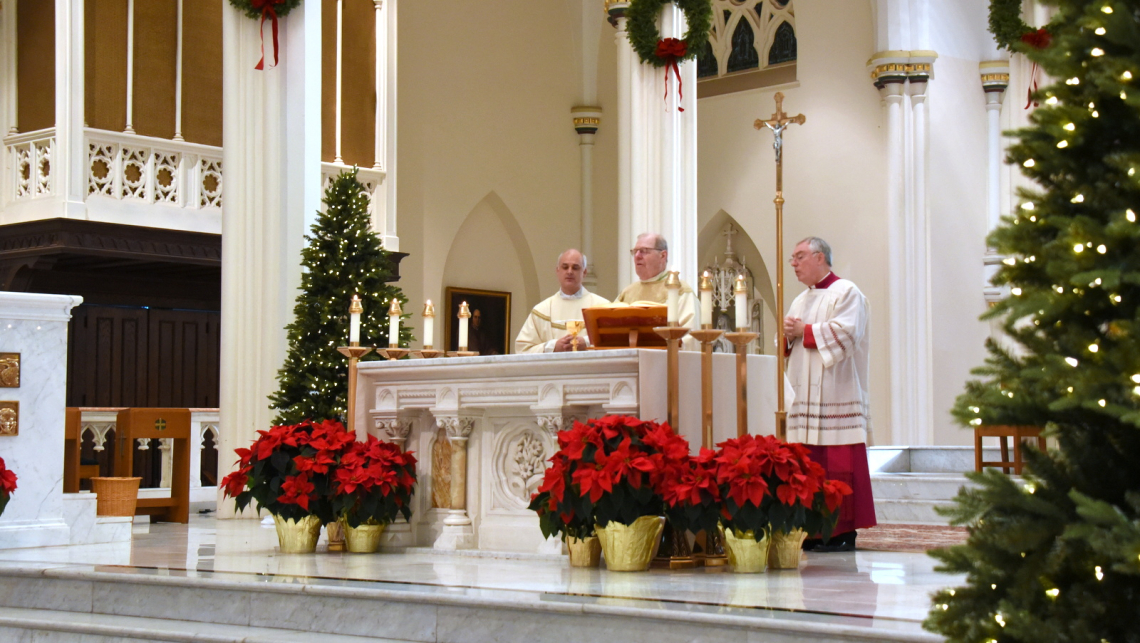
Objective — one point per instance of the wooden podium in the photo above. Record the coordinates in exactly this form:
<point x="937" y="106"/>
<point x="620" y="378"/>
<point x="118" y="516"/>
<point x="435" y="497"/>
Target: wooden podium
<point x="134" y="424"/>
<point x="624" y="326"/>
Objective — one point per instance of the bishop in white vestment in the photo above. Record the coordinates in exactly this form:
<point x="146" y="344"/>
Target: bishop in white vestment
<point x="544" y="330"/>
<point x="828" y="351"/>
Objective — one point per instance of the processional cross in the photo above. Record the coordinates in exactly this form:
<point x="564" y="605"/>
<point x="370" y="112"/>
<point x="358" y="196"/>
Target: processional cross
<point x="778" y="123"/>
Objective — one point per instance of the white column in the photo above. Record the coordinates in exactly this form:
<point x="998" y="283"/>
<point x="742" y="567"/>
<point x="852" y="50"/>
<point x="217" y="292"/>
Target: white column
<point x="178" y="78"/>
<point x="384" y="198"/>
<point x="271" y="155"/>
<point x="626" y="59"/>
<point x="339" y="113"/>
<point x="660" y="166"/>
<point x="8" y="74"/>
<point x="586" y="121"/>
<point x="918" y="246"/>
<point x="381" y="127"/>
<point x="995" y="80"/>
<point x="130" y="67"/>
<point x="69" y="160"/>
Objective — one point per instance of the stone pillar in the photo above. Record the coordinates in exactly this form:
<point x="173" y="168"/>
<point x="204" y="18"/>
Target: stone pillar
<point x="271" y="155"/>
<point x="69" y="158"/>
<point x="457" y="529"/>
<point x="657" y="151"/>
<point x="995" y="80"/>
<point x="396" y="430"/>
<point x="586" y="122"/>
<point x="902" y="78"/>
<point x="384" y="208"/>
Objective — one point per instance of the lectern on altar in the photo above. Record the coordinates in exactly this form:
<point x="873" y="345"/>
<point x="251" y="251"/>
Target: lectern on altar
<point x="483" y="428"/>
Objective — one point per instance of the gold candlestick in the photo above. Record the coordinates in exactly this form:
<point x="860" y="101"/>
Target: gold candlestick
<point x="741" y="338"/>
<point x="574" y="326"/>
<point x="707" y="336"/>
<point x="673" y="335"/>
<point x="353" y="353"/>
<point x="392" y="353"/>
<point x="427" y="353"/>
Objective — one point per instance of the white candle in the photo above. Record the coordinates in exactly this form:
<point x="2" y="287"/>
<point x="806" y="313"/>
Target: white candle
<point x="672" y="294"/>
<point x="429" y="323"/>
<point x="354" y="311"/>
<point x="394" y="313"/>
<point x="741" y="304"/>
<point x="463" y="326"/>
<point x="706" y="299"/>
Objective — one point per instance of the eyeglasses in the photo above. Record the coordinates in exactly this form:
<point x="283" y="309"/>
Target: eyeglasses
<point x="800" y="256"/>
<point x="642" y="251"/>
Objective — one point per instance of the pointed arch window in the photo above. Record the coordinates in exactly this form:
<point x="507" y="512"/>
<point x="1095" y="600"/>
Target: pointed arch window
<point x="752" y="44"/>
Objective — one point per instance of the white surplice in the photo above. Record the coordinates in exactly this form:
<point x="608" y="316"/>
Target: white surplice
<point x="546" y="323"/>
<point x="831" y="404"/>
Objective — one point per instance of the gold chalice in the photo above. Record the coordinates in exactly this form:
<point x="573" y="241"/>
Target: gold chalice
<point x="574" y="327"/>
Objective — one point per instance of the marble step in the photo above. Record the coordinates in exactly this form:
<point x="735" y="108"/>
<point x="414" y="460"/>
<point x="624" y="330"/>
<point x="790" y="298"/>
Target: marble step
<point x="54" y="626"/>
<point x="910" y="512"/>
<point x="100" y="605"/>
<point x="916" y="486"/>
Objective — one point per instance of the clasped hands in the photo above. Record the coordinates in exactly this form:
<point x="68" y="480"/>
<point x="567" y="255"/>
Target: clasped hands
<point x="793" y="328"/>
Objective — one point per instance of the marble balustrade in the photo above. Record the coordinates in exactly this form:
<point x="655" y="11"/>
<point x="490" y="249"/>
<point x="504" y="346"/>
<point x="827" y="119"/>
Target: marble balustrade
<point x="483" y="428"/>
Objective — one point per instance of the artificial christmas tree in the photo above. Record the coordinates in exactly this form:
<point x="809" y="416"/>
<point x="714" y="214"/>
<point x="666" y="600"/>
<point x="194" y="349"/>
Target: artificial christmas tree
<point x="344" y="258"/>
<point x="1055" y="556"/>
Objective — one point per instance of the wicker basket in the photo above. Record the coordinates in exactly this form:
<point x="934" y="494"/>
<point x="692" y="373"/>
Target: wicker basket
<point x="116" y="496"/>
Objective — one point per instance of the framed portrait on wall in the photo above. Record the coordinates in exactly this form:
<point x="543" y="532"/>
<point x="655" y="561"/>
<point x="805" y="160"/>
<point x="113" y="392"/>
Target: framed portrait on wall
<point x="489" y="329"/>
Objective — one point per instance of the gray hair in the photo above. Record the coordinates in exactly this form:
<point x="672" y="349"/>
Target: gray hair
<point x="659" y="242"/>
<point x="580" y="254"/>
<point x="819" y="245"/>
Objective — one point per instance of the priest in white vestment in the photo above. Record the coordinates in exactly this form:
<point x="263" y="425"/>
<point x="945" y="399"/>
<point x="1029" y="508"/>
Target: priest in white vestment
<point x="650" y="259"/>
<point x="544" y="330"/>
<point x="828" y="352"/>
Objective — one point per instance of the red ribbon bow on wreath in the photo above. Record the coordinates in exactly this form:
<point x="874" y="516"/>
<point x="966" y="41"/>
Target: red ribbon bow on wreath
<point x="267" y="9"/>
<point x="1039" y="39"/>
<point x="671" y="50"/>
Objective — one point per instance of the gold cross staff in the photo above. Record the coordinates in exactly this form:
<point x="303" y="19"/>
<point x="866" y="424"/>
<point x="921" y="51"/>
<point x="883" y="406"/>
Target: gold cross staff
<point x="778" y="123"/>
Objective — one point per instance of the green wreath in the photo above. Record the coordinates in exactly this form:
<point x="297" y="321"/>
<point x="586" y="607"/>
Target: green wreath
<point x="641" y="25"/>
<point x="1006" y="24"/>
<point x="256" y="9"/>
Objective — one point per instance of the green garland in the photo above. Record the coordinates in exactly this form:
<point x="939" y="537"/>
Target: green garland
<point x="1006" y="24"/>
<point x="641" y="25"/>
<point x="280" y="7"/>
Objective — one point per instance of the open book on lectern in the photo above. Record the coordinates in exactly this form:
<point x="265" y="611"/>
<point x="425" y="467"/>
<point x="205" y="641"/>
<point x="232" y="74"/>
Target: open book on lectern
<point x="620" y="325"/>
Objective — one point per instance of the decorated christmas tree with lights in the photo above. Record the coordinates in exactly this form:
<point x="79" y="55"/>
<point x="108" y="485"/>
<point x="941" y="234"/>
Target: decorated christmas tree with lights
<point x="344" y="257"/>
<point x="1055" y="555"/>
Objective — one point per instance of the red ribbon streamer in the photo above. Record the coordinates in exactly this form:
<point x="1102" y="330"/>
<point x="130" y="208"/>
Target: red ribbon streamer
<point x="672" y="50"/>
<point x="1039" y="39"/>
<point x="266" y="7"/>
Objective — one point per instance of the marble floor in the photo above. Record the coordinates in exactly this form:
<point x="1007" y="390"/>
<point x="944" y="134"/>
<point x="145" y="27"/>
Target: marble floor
<point x="878" y="589"/>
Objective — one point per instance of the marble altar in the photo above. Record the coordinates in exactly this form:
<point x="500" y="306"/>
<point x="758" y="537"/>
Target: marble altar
<point x="489" y="424"/>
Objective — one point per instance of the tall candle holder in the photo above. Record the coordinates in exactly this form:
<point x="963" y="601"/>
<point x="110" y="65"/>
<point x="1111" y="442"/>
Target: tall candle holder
<point x="707" y="336"/>
<point x="672" y="334"/>
<point x="741" y="338"/>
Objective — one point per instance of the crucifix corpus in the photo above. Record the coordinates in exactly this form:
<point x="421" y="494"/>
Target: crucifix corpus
<point x="778" y="123"/>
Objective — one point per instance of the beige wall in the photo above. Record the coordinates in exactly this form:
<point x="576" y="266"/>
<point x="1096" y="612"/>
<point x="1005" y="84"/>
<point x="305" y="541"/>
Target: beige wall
<point x="486" y="143"/>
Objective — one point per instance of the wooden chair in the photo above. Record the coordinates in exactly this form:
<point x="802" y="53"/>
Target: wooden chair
<point x="149" y="423"/>
<point x="1001" y="432"/>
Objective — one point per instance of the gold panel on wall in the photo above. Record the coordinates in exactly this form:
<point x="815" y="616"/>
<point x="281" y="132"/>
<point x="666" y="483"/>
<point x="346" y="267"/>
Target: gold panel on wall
<point x="156" y="50"/>
<point x="35" y="65"/>
<point x="9" y="418"/>
<point x="358" y="88"/>
<point x="9" y="370"/>
<point x="202" y="71"/>
<point x="105" y="64"/>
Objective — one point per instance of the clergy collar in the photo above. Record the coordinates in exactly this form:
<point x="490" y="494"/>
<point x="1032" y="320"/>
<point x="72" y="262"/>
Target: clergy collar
<point x="578" y="295"/>
<point x="664" y="273"/>
<point x="827" y="281"/>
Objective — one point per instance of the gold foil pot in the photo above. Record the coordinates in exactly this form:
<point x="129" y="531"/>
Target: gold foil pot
<point x="364" y="539"/>
<point x="786" y="550"/>
<point x="298" y="537"/>
<point x="745" y="553"/>
<point x="584" y="552"/>
<point x="629" y="548"/>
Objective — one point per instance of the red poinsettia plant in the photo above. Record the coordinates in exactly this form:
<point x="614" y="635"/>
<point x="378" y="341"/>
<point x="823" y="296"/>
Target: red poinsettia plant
<point x="373" y="483"/>
<point x="692" y="497"/>
<point x="289" y="468"/>
<point x="768" y="485"/>
<point x="610" y="469"/>
<point x="7" y="484"/>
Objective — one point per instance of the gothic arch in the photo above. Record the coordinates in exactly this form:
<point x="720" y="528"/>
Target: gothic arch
<point x="490" y="251"/>
<point x="711" y="244"/>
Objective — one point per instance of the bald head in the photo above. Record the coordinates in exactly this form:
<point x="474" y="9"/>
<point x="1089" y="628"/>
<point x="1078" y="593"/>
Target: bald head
<point x="571" y="269"/>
